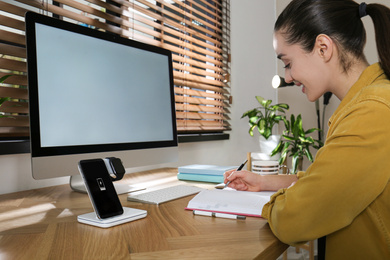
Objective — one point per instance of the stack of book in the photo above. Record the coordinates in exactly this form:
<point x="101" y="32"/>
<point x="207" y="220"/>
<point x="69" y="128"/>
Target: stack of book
<point x="204" y="173"/>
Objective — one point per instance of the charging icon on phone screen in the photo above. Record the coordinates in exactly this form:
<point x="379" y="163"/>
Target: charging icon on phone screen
<point x="101" y="184"/>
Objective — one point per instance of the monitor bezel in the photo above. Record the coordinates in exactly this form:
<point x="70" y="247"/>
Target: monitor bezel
<point x="36" y="149"/>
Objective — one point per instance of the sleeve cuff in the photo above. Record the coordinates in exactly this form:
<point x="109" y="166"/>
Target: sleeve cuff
<point x="265" y="213"/>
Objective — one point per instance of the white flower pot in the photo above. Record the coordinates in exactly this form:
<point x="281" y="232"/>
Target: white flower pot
<point x="268" y="145"/>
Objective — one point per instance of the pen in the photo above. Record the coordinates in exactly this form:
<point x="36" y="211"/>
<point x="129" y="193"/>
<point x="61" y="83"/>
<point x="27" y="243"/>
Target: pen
<point x="238" y="169"/>
<point x="217" y="215"/>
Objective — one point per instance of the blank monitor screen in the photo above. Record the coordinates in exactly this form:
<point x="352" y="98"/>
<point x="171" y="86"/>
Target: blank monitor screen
<point x="94" y="92"/>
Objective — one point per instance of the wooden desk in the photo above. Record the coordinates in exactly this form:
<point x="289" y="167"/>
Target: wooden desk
<point x="42" y="224"/>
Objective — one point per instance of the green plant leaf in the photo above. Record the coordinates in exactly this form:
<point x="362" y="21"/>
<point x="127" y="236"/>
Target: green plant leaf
<point x="288" y="138"/>
<point x="282" y="160"/>
<point x="266" y="103"/>
<point x="250" y="113"/>
<point x="260" y="100"/>
<point x="251" y="130"/>
<point x="267" y="133"/>
<point x="295" y="162"/>
<point x="261" y="125"/>
<point x="286" y="123"/>
<point x="278" y="118"/>
<point x="308" y="139"/>
<point x="3" y="78"/>
<point x="309" y="155"/>
<point x="277" y="149"/>
<point x="272" y="114"/>
<point x="285" y="149"/>
<point x="312" y="130"/>
<point x="253" y="120"/>
<point x="3" y="99"/>
<point x="297" y="126"/>
<point x="282" y="105"/>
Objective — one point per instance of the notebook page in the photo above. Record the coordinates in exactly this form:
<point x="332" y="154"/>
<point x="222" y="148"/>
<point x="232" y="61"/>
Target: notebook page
<point x="230" y="201"/>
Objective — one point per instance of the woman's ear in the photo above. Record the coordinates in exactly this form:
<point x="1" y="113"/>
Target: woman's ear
<point x="324" y="47"/>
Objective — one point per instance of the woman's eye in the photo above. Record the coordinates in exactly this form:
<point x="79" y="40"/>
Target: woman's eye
<point x="287" y="66"/>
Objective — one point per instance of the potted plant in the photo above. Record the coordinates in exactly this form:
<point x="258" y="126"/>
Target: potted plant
<point x="296" y="143"/>
<point x="264" y="118"/>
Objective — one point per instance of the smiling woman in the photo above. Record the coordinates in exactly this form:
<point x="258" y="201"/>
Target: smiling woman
<point x="321" y="45"/>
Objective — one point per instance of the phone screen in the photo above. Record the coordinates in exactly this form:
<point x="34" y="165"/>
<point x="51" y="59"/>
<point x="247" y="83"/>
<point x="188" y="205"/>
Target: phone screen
<point x="100" y="189"/>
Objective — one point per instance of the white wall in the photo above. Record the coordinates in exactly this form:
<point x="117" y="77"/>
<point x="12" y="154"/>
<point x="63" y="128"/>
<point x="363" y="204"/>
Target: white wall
<point x="253" y="65"/>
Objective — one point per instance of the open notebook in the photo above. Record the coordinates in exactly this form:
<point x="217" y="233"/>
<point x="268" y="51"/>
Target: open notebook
<point x="231" y="201"/>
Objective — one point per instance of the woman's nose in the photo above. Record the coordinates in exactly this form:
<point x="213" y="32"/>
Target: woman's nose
<point x="288" y="78"/>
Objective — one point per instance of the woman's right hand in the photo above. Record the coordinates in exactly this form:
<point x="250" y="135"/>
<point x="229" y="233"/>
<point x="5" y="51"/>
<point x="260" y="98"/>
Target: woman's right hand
<point x="243" y="180"/>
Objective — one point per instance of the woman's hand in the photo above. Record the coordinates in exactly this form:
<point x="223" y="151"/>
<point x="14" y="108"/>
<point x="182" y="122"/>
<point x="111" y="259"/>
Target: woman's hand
<point x="249" y="181"/>
<point x="243" y="180"/>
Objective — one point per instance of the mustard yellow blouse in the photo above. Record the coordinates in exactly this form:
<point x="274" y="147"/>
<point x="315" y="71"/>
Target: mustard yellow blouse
<point x="345" y="194"/>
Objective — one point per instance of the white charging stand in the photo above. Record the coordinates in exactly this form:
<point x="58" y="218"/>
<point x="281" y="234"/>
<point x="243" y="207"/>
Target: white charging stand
<point x="129" y="214"/>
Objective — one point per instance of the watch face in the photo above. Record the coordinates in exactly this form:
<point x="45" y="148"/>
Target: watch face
<point x="100" y="189"/>
<point x="117" y="166"/>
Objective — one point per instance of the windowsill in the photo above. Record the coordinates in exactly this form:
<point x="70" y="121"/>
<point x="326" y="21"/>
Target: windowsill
<point x="186" y="138"/>
<point x="14" y="146"/>
<point x="19" y="146"/>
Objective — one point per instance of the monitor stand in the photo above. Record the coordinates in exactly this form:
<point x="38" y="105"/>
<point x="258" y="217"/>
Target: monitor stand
<point x="77" y="184"/>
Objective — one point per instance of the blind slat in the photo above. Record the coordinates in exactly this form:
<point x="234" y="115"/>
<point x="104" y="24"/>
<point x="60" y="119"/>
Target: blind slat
<point x="14" y="107"/>
<point x="197" y="71"/>
<point x="12" y="9"/>
<point x="191" y="115"/>
<point x="198" y="64"/>
<point x="197" y="108"/>
<point x="200" y="123"/>
<point x="13" y="65"/>
<point x="192" y="92"/>
<point x="12" y="23"/>
<point x="197" y="85"/>
<point x="197" y="79"/>
<point x="17" y="93"/>
<point x="14" y="121"/>
<point x="202" y="101"/>
<point x="14" y="131"/>
<point x="15" y="51"/>
<point x="15" y="79"/>
<point x="11" y="37"/>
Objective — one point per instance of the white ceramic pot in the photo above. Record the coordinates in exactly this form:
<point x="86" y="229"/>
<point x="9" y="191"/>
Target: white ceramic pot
<point x="268" y="145"/>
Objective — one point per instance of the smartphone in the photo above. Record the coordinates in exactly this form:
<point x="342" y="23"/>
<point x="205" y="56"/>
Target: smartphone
<point x="100" y="189"/>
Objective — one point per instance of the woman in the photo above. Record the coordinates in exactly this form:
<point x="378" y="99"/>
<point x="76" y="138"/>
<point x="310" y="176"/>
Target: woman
<point x="345" y="194"/>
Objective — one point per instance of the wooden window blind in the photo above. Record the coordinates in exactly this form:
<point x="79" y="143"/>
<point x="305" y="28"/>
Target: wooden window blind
<point x="196" y="31"/>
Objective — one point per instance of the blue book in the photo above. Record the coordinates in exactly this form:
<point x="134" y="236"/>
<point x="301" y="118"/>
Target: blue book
<point x="205" y="169"/>
<point x="200" y="177"/>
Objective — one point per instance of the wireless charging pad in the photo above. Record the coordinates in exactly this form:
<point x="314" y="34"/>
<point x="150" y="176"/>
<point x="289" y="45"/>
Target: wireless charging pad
<point x="129" y="214"/>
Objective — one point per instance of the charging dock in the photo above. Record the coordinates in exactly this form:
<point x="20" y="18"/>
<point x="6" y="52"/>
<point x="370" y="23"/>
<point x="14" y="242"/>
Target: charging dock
<point x="129" y="214"/>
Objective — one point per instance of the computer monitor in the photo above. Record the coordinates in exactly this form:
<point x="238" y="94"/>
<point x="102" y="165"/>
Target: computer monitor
<point x="94" y="94"/>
